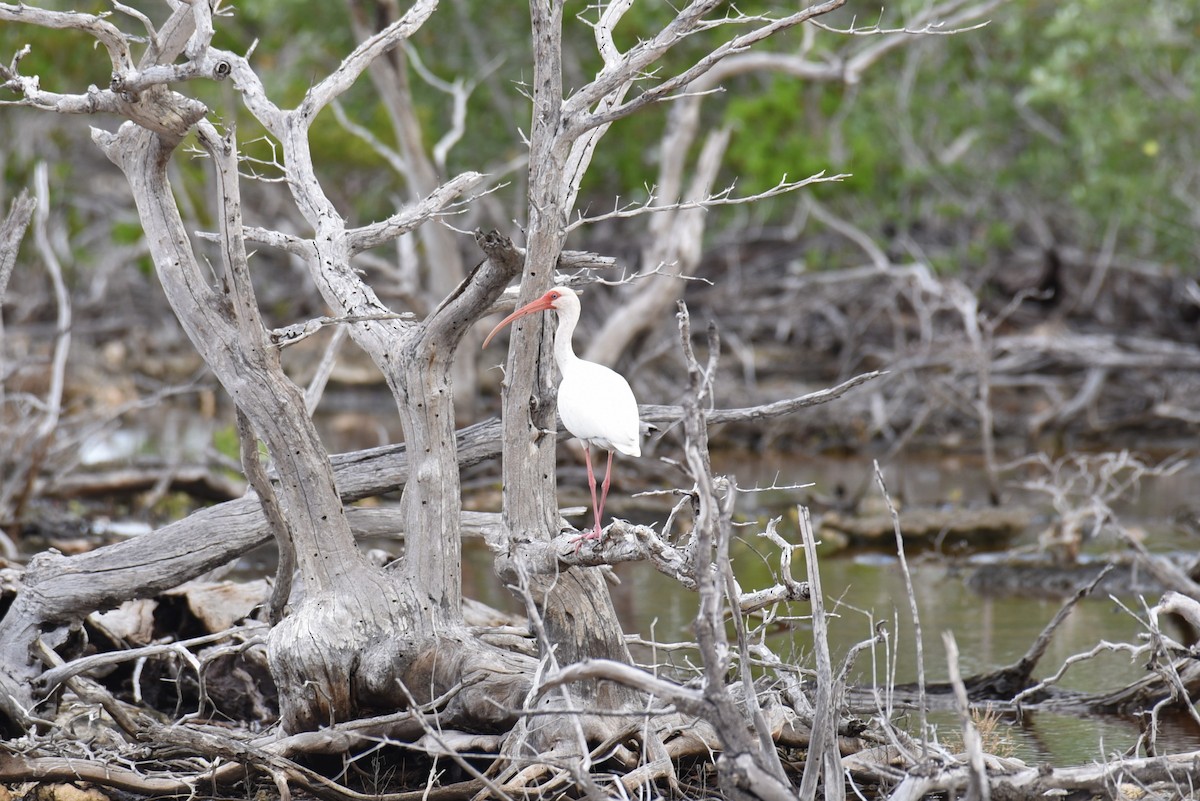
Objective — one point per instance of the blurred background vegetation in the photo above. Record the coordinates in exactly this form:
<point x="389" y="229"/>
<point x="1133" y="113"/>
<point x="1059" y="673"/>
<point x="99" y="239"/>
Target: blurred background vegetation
<point x="1065" y="126"/>
<point x="1066" y="122"/>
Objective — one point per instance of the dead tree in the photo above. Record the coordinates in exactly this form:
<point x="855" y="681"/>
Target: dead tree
<point x="359" y="639"/>
<point x="684" y="190"/>
<point x="357" y="630"/>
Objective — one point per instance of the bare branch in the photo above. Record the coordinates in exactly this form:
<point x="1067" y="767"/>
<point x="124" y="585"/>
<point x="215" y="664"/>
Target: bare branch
<point x="669" y="414"/>
<point x="388" y="154"/>
<point x="935" y="19"/>
<point x="22" y="767"/>
<point x="459" y="92"/>
<point x="355" y="64"/>
<point x="686" y="699"/>
<point x="638" y="59"/>
<point x="62" y="334"/>
<point x="825" y="758"/>
<point x="52" y="678"/>
<point x="980" y="790"/>
<point x="795" y="65"/>
<point x="847" y="229"/>
<point x="725" y="197"/>
<point x="285" y="242"/>
<point x="923" y="710"/>
<point x="96" y="101"/>
<point x="147" y="23"/>
<point x="434" y="204"/>
<point x="298" y="332"/>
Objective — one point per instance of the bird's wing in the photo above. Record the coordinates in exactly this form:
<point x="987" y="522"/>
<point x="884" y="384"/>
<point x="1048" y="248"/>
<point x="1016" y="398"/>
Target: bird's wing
<point x="597" y="406"/>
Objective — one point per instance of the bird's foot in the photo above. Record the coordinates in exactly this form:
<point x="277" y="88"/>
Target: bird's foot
<point x="590" y="534"/>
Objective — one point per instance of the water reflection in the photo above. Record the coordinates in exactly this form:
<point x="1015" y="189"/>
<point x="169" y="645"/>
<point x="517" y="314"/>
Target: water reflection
<point x="991" y="632"/>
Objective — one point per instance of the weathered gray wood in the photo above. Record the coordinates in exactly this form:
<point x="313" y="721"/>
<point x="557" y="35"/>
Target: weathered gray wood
<point x="344" y="645"/>
<point x="432" y="496"/>
<point x="60" y="590"/>
<point x="414" y="359"/>
<point x="12" y="231"/>
<point x="57" y="589"/>
<point x="529" y="374"/>
<point x="221" y="325"/>
<point x="576" y="608"/>
<point x="749" y="768"/>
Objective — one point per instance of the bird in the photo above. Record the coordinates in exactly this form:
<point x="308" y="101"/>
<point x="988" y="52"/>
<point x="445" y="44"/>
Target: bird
<point x="595" y="402"/>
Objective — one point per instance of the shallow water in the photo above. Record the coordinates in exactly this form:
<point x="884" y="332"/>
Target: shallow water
<point x="864" y="588"/>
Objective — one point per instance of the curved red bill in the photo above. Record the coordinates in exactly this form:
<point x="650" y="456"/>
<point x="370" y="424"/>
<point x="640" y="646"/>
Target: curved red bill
<point x="541" y="304"/>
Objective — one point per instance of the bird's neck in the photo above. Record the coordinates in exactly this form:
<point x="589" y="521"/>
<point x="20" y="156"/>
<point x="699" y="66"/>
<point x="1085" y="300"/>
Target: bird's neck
<point x="564" y="351"/>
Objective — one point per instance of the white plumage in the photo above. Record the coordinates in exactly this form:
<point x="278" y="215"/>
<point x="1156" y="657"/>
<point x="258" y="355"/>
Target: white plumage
<point x="595" y="403"/>
<point x="598" y="407"/>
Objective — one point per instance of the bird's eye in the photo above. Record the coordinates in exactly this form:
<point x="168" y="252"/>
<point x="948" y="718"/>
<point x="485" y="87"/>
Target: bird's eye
<point x="555" y="295"/>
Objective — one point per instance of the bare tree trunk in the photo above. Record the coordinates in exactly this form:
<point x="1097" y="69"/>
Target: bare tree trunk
<point x="576" y="607"/>
<point x="530" y="503"/>
<point x="443" y="262"/>
<point x="432" y="496"/>
<point x="12" y="231"/>
<point x="357" y="635"/>
<point x="331" y="566"/>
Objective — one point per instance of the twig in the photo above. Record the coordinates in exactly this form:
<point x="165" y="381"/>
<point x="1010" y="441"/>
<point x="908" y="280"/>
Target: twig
<point x="457" y="758"/>
<point x="1099" y="648"/>
<point x="979" y="789"/>
<point x="55" y="676"/>
<point x="582" y="769"/>
<point x="724" y="197"/>
<point x="733" y="597"/>
<point x="748" y="761"/>
<point x="92" y="693"/>
<point x="825" y="759"/>
<point x="922" y="702"/>
<point x="316" y="386"/>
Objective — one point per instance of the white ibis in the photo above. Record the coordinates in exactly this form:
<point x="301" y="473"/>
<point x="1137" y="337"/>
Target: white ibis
<point x="595" y="403"/>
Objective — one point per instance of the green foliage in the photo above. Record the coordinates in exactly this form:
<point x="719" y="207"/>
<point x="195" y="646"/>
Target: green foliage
<point x="773" y="132"/>
<point x="1080" y="113"/>
<point x="1077" y="113"/>
<point x="126" y="233"/>
<point x="1123" y="85"/>
<point x="226" y="442"/>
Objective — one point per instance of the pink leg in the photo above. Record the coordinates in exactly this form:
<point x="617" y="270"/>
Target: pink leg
<point x="587" y="457"/>
<point x="604" y="493"/>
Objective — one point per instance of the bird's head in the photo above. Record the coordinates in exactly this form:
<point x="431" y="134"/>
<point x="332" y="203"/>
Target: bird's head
<point x="557" y="299"/>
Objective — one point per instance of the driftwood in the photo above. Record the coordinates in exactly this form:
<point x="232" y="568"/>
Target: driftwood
<point x="1012" y="779"/>
<point x="874" y="766"/>
<point x="949" y="528"/>
<point x="1050" y="373"/>
<point x="1012" y="688"/>
<point x="196" y="480"/>
<point x="59" y="589"/>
